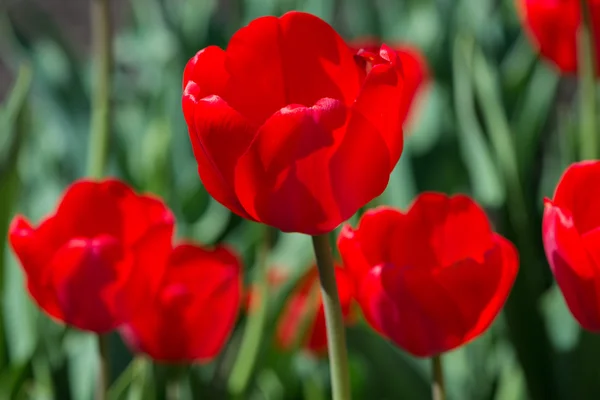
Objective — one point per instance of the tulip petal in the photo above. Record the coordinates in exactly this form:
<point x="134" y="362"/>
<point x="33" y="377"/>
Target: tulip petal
<point x="35" y="249"/>
<point x="200" y="285"/>
<point x="433" y="232"/>
<point x="379" y="100"/>
<point x="207" y="70"/>
<point x="87" y="277"/>
<point x="373" y="139"/>
<point x="219" y="136"/>
<point x="578" y="191"/>
<point x="295" y="59"/>
<point x="402" y="325"/>
<point x="415" y="74"/>
<point x="487" y="285"/>
<point x="375" y="232"/>
<point x="150" y="257"/>
<point x="450" y="306"/>
<point x="283" y="179"/>
<point x="572" y="265"/>
<point x="413" y="66"/>
<point x="90" y="208"/>
<point x="352" y="253"/>
<point x="553" y="26"/>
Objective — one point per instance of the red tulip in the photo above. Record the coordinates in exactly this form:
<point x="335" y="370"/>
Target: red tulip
<point x="287" y="128"/>
<point x="414" y="69"/>
<point x="305" y="303"/>
<point x="196" y="309"/>
<point x="570" y="230"/>
<point x="431" y="279"/>
<point x="93" y="262"/>
<point x="553" y="26"/>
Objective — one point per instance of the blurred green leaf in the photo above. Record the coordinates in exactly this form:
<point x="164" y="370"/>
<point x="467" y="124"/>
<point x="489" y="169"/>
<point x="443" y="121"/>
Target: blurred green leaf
<point x="488" y="188"/>
<point x="562" y="328"/>
<point x="82" y="354"/>
<point x="19" y="315"/>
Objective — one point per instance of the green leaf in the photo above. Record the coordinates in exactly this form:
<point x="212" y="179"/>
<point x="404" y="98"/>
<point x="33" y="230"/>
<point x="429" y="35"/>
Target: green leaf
<point x="488" y="188"/>
<point x="82" y="355"/>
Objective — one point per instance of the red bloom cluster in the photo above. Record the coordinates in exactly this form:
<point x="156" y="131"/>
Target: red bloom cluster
<point x="292" y="128"/>
<point x="105" y="256"/>
<point x="553" y="26"/>
<point x="430" y="279"/>
<point x="288" y="129"/>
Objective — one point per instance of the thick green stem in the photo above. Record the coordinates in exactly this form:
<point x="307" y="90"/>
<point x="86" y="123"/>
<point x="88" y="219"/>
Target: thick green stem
<point x="103" y="383"/>
<point x="253" y="333"/>
<point x="101" y="89"/>
<point x="587" y="86"/>
<point x="336" y="336"/>
<point x="438" y="389"/>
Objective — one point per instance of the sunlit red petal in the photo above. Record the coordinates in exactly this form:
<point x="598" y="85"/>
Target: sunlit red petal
<point x="283" y="179"/>
<point x="433" y="232"/>
<point x="207" y="70"/>
<point x="578" y="191"/>
<point x="219" y="136"/>
<point x="295" y="59"/>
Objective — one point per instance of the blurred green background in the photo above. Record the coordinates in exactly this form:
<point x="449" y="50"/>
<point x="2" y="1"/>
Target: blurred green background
<point x="495" y="122"/>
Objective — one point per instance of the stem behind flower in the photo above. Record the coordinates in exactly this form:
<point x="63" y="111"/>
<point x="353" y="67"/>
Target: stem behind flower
<point x="253" y="333"/>
<point x="336" y="336"/>
<point x="438" y="388"/>
<point x="587" y="86"/>
<point x="104" y="370"/>
<point x="101" y="89"/>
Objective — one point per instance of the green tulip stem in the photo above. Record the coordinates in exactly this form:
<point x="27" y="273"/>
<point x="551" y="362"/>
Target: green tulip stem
<point x="103" y="383"/>
<point x="336" y="337"/>
<point x="254" y="330"/>
<point x="587" y="86"/>
<point x="438" y="389"/>
<point x="99" y="133"/>
<point x="101" y="88"/>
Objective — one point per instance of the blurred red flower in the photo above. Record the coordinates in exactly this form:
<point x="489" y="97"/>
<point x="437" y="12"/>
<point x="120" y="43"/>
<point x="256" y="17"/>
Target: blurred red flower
<point x="414" y="70"/>
<point x="433" y="278"/>
<point x="305" y="304"/>
<point x="571" y="235"/>
<point x="553" y="26"/>
<point x="276" y="276"/>
<point x="195" y="310"/>
<point x="98" y="258"/>
<point x="288" y="129"/>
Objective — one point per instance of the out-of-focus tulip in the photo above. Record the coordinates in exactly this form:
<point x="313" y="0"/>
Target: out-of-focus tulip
<point x="305" y="304"/>
<point x="288" y="129"/>
<point x="95" y="261"/>
<point x="276" y="276"/>
<point x="553" y="27"/>
<point x="430" y="279"/>
<point x="195" y="310"/>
